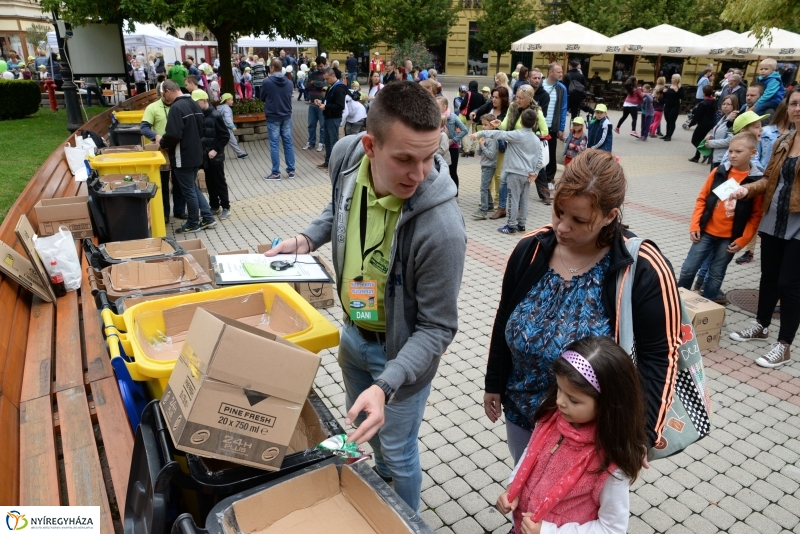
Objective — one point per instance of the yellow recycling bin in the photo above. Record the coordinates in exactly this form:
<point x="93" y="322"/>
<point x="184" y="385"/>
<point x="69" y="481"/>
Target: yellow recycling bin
<point x="129" y="117"/>
<point x="147" y="162"/>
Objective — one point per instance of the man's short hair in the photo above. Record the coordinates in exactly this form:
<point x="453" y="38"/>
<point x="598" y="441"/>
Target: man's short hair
<point x="574" y="63"/>
<point x="329" y="72"/>
<point x="170" y="85"/>
<point x="488" y="117"/>
<point x="735" y="77"/>
<point x="406" y="102"/>
<point x="746" y="137"/>
<point x="191" y="79"/>
<point x="529" y="118"/>
<point x="758" y="85"/>
<point x="276" y="65"/>
<point x="534" y="70"/>
<point x="442" y="101"/>
<point x="552" y="66"/>
<point x="321" y="60"/>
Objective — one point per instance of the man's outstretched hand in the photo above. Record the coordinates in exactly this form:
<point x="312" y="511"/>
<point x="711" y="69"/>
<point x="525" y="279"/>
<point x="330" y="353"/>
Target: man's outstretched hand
<point x="371" y="402"/>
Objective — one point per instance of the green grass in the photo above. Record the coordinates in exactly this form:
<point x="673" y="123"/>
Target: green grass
<point x="25" y="144"/>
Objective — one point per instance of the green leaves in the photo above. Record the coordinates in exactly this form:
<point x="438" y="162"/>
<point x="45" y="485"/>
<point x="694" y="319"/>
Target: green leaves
<point x="503" y="22"/>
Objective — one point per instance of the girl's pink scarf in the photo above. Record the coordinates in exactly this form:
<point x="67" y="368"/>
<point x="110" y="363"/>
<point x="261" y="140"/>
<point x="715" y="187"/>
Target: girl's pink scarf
<point x="555" y="424"/>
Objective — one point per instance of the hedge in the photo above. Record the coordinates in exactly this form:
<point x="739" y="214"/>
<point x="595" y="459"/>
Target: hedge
<point x="19" y="98"/>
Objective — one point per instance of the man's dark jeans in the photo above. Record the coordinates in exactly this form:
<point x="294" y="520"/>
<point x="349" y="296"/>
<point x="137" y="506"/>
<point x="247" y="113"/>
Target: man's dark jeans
<point x="195" y="201"/>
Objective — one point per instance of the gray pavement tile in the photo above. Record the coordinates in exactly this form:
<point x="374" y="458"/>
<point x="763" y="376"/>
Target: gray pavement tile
<point x="685" y="478"/>
<point x="678" y="529"/>
<point x="782" y="516"/>
<point x="638" y="504"/>
<point x="483" y="458"/>
<point x="638" y="526"/>
<point x="735" y="507"/>
<point x="726" y="484"/>
<point x="500" y="472"/>
<point x="468" y="525"/>
<point x="700" y="525"/>
<point x="492" y="492"/>
<point x="435" y="497"/>
<point x="468" y="446"/>
<point x="472" y="503"/>
<point x="456" y="488"/>
<point x="447" y="453"/>
<point x="490" y="519"/>
<point x="669" y="486"/>
<point x="441" y="473"/>
<point x="722" y="519"/>
<point x="783" y="483"/>
<point x="652" y="495"/>
<point x="657" y="519"/>
<point x="462" y="466"/>
<point x="676" y="510"/>
<point x="740" y="476"/>
<point x="752" y="499"/>
<point x="720" y="465"/>
<point x="450" y="512"/>
<point x="768" y="489"/>
<point x="431" y="519"/>
<point x="791" y="471"/>
<point x="762" y="524"/>
<point x="444" y="530"/>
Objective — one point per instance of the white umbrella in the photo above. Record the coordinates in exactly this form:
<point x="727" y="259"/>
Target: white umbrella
<point x="780" y="44"/>
<point x="737" y="45"/>
<point x="631" y="41"/>
<point x="566" y="37"/>
<point x="671" y="41"/>
<point x="262" y="41"/>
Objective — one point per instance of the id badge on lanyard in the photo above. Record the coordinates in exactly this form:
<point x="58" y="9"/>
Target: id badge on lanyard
<point x="363" y="293"/>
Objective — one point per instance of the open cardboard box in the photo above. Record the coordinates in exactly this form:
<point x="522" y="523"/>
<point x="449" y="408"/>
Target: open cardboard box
<point x="25" y="234"/>
<point x="704" y="314"/>
<point x="237" y="392"/>
<point x="325" y="498"/>
<point x="72" y="212"/>
<point x="319" y="294"/>
<point x="154" y="273"/>
<point x="139" y="248"/>
<point x="249" y="309"/>
<point x="21" y="270"/>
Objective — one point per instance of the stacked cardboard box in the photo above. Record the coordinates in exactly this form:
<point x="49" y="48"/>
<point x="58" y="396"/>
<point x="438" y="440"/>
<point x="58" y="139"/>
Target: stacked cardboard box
<point x="706" y="316"/>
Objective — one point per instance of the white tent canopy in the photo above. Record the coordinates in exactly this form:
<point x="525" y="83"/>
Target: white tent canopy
<point x="630" y="41"/>
<point x="780" y="44"/>
<point x="666" y="40"/>
<point x="566" y="37"/>
<point x="263" y="41"/>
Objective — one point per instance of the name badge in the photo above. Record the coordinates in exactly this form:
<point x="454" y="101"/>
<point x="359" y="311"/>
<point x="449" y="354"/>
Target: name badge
<point x="363" y="300"/>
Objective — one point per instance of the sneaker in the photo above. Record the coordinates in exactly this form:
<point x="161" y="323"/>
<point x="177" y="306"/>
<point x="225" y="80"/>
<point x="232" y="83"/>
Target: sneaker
<point x="697" y="287"/>
<point x="323" y="165"/>
<point x="225" y="215"/>
<point x="747" y="257"/>
<point x="520" y="228"/>
<point x="291" y="175"/>
<point x="216" y="211"/>
<point x="244" y="156"/>
<point x="642" y="138"/>
<point x="776" y="356"/>
<point x="308" y="145"/>
<point x="634" y="134"/>
<point x="188" y="229"/>
<point x="616" y="130"/>
<point x="205" y="225"/>
<point x="274" y="177"/>
<point x="320" y="147"/>
<point x="508" y="230"/>
<point x="721" y="299"/>
<point x="181" y="216"/>
<point x="479" y="215"/>
<point x="753" y="332"/>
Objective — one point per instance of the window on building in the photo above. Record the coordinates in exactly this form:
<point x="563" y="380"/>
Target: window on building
<point x="188" y="36"/>
<point x="477" y="58"/>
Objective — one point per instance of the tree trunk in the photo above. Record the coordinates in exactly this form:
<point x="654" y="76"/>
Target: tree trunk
<point x="223" y="35"/>
<point x="497" y="66"/>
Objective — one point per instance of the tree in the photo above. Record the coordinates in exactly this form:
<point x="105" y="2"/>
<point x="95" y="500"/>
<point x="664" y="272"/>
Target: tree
<point x="425" y="21"/>
<point x="759" y="15"/>
<point x="294" y="20"/>
<point x="503" y="22"/>
<point x="36" y="35"/>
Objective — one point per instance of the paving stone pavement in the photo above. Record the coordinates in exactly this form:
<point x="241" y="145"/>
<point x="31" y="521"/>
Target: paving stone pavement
<point x="743" y="478"/>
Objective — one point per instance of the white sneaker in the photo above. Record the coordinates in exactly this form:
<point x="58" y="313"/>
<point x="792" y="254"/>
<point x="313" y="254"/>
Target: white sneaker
<point x="308" y="145"/>
<point x="776" y="356"/>
<point x="320" y="147"/>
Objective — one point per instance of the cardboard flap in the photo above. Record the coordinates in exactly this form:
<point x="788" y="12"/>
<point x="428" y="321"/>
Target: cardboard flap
<point x="382" y="518"/>
<point x="258" y="512"/>
<point x="138" y="248"/>
<point x="25" y="234"/>
<point x="21" y="270"/>
<point x="154" y="273"/>
<point x="179" y="319"/>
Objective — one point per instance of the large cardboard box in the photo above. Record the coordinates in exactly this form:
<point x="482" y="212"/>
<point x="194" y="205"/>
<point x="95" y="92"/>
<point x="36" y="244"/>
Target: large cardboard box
<point x="201" y="180"/>
<point x="72" y="212"/>
<point x="154" y="273"/>
<point x="197" y="248"/>
<point x="25" y="234"/>
<point x="320" y="500"/>
<point x="236" y="392"/>
<point x="707" y="339"/>
<point x="704" y="314"/>
<point x="318" y="294"/>
<point x="22" y="271"/>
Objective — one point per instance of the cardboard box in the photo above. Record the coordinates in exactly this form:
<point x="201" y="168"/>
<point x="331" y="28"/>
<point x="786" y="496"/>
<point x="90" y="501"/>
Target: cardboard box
<point x="21" y="270"/>
<point x="708" y="339"/>
<point x="25" y="234"/>
<point x="233" y="252"/>
<point x="318" y="294"/>
<point x="72" y="212"/>
<point x="139" y="248"/>
<point x="249" y="309"/>
<point x="342" y="501"/>
<point x="201" y="180"/>
<point x="263" y="248"/>
<point x="236" y="392"/>
<point x="704" y="314"/>
<point x="154" y="273"/>
<point x="197" y="249"/>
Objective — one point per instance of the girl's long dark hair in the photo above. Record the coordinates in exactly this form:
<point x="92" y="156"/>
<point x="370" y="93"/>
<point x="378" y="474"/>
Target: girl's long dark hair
<point x="630" y="85"/>
<point x="620" y="435"/>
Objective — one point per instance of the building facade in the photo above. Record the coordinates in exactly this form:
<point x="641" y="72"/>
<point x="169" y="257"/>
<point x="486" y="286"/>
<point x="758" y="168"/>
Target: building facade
<point x="16" y="16"/>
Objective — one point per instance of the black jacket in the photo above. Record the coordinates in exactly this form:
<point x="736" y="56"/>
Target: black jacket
<point x="577" y="76"/>
<point x="184" y="135"/>
<point x="160" y="66"/>
<point x="744" y="207"/>
<point x="391" y="77"/>
<point x="334" y="101"/>
<point x="487" y="108"/>
<point x="542" y="99"/>
<point x="215" y="134"/>
<point x="704" y="114"/>
<point x="474" y="99"/>
<point x="656" y="313"/>
<point x="352" y="65"/>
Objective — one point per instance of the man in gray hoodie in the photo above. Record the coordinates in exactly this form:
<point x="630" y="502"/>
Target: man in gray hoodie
<point x="399" y="246"/>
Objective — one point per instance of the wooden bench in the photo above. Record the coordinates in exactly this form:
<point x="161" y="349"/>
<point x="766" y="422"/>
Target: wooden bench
<point x="64" y="434"/>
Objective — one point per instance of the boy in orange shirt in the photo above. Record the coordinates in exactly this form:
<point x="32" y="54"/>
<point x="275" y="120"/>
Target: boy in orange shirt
<point x="721" y="227"/>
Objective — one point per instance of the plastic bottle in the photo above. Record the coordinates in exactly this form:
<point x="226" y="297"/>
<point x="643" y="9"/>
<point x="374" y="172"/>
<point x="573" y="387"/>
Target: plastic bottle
<point x="57" y="280"/>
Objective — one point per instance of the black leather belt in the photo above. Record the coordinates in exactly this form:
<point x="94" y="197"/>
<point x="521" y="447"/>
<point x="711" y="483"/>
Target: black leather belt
<point x="369" y="335"/>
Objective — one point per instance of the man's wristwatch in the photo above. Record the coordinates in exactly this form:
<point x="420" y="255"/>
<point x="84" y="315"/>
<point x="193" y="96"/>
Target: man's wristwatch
<point x="386" y="388"/>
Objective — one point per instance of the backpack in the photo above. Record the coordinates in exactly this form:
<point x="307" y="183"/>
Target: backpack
<point x="576" y="88"/>
<point x="688" y="418"/>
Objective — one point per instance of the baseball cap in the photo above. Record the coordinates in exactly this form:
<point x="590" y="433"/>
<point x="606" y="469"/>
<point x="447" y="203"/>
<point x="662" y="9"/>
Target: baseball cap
<point x="601" y="107"/>
<point x="31" y="58"/>
<point x="578" y="120"/>
<point x="745" y="119"/>
<point x="355" y="84"/>
<point x="515" y="74"/>
<point x="485" y="89"/>
<point x="462" y="89"/>
<point x="246" y="69"/>
<point x="199" y="94"/>
<point x="225" y="97"/>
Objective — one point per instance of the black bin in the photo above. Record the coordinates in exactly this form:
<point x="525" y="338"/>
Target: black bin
<point x="124" y="207"/>
<point x="125" y="134"/>
<point x="159" y="489"/>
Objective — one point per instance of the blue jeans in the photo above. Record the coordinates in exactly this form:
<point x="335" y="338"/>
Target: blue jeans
<point x="281" y="131"/>
<point x="501" y="202"/>
<point x="703" y="272"/>
<point x="395" y="446"/>
<point x="486" y="181"/>
<point x="195" y="201"/>
<point x="351" y="77"/>
<point x="314" y="117"/>
<point x="717" y="248"/>
<point x="331" y="136"/>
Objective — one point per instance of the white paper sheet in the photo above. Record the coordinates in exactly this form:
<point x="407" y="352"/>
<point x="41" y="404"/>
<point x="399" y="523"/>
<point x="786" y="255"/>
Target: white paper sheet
<point x="724" y="190"/>
<point x="229" y="269"/>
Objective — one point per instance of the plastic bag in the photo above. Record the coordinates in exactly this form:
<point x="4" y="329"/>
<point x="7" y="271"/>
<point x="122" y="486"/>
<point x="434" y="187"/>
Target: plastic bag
<point x="61" y="248"/>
